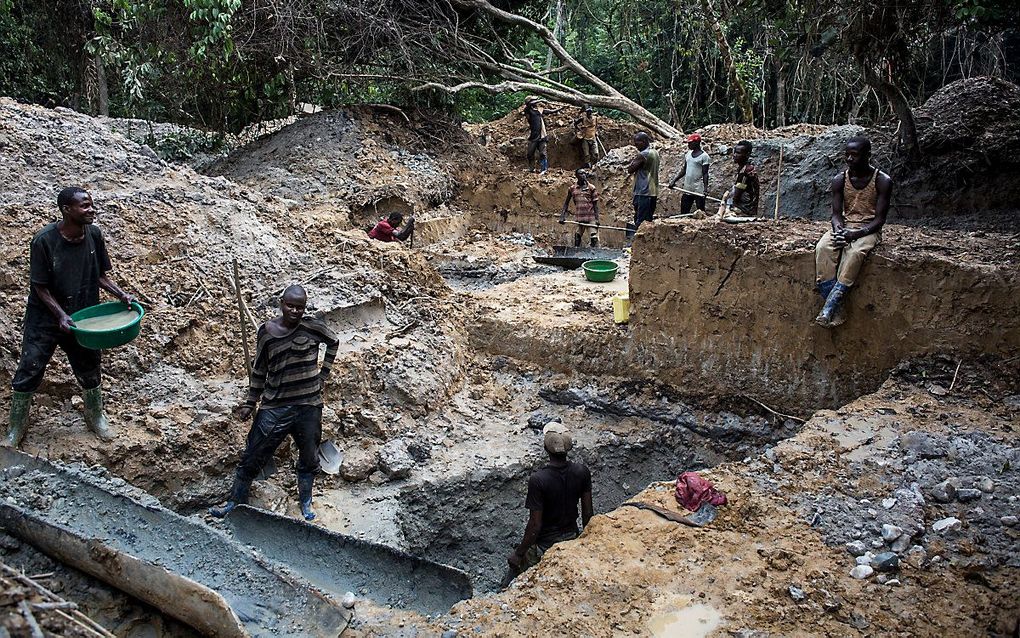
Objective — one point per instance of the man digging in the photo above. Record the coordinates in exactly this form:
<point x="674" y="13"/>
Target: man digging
<point x="586" y="209"/>
<point x="389" y="229"/>
<point x="287" y="378"/>
<point x="554" y="491"/>
<point x="860" y="204"/>
<point x="68" y="266"/>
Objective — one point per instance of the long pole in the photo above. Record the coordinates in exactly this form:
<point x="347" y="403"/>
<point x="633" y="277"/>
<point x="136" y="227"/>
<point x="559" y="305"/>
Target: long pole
<point x="244" y="320"/>
<point x="709" y="198"/>
<point x="779" y="175"/>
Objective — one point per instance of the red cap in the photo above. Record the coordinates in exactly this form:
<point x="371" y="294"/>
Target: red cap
<point x="693" y="137"/>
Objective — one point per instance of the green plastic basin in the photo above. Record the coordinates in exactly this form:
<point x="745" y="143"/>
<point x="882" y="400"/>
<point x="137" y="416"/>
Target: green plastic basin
<point x="600" y="270"/>
<point x="103" y="339"/>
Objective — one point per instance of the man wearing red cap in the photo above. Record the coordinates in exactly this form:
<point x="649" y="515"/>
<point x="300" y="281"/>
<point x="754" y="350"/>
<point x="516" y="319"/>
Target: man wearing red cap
<point x="695" y="174"/>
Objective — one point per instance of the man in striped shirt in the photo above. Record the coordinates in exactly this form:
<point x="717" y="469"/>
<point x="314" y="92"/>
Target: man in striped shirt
<point x="287" y="378"/>
<point x="586" y="209"/>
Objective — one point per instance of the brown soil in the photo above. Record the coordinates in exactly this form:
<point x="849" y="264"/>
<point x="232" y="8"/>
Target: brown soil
<point x="455" y="346"/>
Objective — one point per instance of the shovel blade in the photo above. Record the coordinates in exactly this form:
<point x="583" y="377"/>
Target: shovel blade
<point x="330" y="457"/>
<point x="705" y="515"/>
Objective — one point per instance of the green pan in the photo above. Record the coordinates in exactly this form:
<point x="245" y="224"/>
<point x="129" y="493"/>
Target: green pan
<point x="103" y="339"/>
<point x="600" y="270"/>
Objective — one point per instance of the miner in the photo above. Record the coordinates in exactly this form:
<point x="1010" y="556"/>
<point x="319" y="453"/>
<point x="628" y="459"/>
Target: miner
<point x="645" y="169"/>
<point x="554" y="491"/>
<point x="285" y="393"/>
<point x="68" y="264"/>
<point x="860" y="204"/>
<point x="586" y="209"/>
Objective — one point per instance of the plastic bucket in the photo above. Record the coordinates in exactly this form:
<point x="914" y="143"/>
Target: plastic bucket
<point x="600" y="270"/>
<point x="103" y="339"/>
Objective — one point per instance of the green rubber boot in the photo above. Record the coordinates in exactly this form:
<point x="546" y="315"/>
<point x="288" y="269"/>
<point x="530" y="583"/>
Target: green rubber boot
<point x="95" y="418"/>
<point x="21" y="403"/>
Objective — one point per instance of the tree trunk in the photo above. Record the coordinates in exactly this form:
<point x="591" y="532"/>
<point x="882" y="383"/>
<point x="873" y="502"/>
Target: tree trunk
<point x="780" y="94"/>
<point x="743" y="97"/>
<point x="888" y="89"/>
<point x="557" y="33"/>
<point x="102" y="88"/>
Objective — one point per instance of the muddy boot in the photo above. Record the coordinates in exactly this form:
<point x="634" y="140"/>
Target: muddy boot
<point x="831" y="314"/>
<point x="594" y="242"/>
<point x="825" y="287"/>
<point x="21" y="403"/>
<point x="95" y="418"/>
<point x="304" y="486"/>
<point x="238" y="496"/>
<point x="577" y="240"/>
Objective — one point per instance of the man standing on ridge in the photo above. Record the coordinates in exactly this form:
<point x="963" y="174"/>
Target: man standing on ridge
<point x="585" y="130"/>
<point x="554" y="491"/>
<point x="537" y="135"/>
<point x="860" y="205"/>
<point x="645" y="169"/>
<point x="586" y="209"/>
<point x="68" y="266"/>
<point x="287" y="378"/>
<point x="695" y="175"/>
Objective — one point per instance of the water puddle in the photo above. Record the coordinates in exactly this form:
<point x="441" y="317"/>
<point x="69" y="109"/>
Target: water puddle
<point x="696" y="621"/>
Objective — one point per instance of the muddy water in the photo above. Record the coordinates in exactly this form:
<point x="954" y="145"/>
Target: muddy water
<point x="107" y="322"/>
<point x="695" y="621"/>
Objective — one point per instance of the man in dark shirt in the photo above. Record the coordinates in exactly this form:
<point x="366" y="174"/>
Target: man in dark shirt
<point x="537" y="134"/>
<point x="553" y="493"/>
<point x="742" y="199"/>
<point x="287" y="378"/>
<point x="68" y="266"/>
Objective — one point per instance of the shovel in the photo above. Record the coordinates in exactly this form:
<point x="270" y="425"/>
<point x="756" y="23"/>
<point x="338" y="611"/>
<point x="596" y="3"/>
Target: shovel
<point x="330" y="457"/>
<point x="705" y="514"/>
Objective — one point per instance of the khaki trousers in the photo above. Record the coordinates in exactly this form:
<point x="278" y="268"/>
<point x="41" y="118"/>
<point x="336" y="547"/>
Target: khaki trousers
<point x="842" y="264"/>
<point x="587" y="231"/>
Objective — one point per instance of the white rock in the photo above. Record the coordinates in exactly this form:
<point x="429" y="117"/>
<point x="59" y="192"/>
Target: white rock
<point x="985" y="484"/>
<point x="888" y="503"/>
<point x="893" y="582"/>
<point x="865" y="559"/>
<point x="950" y="523"/>
<point x="862" y="571"/>
<point x="891" y="532"/>
<point x="348" y="600"/>
<point x="1009" y="521"/>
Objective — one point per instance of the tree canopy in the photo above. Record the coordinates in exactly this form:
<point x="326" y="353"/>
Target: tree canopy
<point x="671" y="65"/>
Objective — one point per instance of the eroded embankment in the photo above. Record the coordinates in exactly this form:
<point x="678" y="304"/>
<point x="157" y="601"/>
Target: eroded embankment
<point x="731" y="307"/>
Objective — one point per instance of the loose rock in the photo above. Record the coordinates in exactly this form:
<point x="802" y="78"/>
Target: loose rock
<point x="886" y="562"/>
<point x="856" y="548"/>
<point x="950" y="523"/>
<point x="862" y="571"/>
<point x="395" y="459"/>
<point x="944" y="492"/>
<point x="891" y="532"/>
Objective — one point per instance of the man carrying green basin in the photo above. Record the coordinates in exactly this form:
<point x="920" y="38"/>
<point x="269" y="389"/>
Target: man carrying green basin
<point x="68" y="266"/>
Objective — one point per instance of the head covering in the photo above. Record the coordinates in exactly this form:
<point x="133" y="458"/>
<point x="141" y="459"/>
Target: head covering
<point x="557" y="440"/>
<point x="693" y="137"/>
<point x="531" y="99"/>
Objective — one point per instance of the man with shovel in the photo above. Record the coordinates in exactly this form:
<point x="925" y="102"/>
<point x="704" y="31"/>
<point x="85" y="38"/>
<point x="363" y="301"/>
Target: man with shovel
<point x="586" y="209"/>
<point x="554" y="492"/>
<point x="288" y="380"/>
<point x="68" y="265"/>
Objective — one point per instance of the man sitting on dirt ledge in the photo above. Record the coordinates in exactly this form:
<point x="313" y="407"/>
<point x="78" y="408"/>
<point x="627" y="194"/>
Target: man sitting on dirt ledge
<point x="68" y="266"/>
<point x="286" y="377"/>
<point x="553" y="493"/>
<point x="386" y="229"/>
<point x="860" y="203"/>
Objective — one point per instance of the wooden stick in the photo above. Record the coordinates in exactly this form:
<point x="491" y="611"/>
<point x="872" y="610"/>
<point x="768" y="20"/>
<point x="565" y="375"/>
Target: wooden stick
<point x="708" y="197"/>
<point x="785" y="416"/>
<point x="33" y="625"/>
<point x="244" y="321"/>
<point x="779" y="174"/>
<point x="954" y="376"/>
<point x="53" y="606"/>
<point x="78" y="618"/>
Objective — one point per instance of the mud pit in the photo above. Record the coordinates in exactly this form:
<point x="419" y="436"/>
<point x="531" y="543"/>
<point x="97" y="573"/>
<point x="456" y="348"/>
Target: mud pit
<point x="457" y="351"/>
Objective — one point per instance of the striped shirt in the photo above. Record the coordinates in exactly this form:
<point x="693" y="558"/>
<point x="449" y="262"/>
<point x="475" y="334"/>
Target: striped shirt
<point x="584" y="198"/>
<point x="286" y="369"/>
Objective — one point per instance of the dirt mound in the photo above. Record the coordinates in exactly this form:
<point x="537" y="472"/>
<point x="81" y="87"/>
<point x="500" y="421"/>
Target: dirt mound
<point x="356" y="164"/>
<point x="172" y="234"/>
<point x="972" y="123"/>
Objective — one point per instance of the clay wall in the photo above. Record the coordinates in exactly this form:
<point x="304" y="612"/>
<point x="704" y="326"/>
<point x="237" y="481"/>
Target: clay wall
<point x="730" y="308"/>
